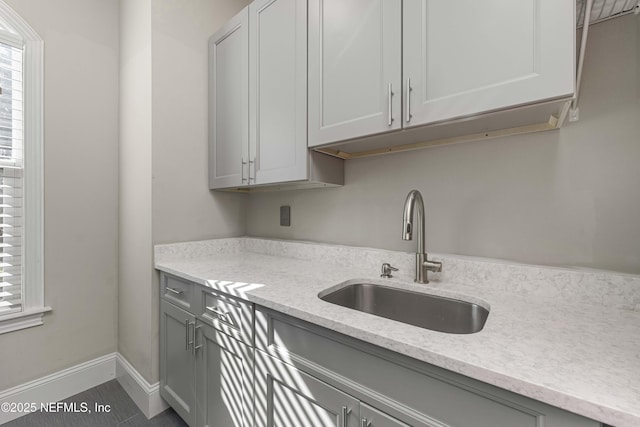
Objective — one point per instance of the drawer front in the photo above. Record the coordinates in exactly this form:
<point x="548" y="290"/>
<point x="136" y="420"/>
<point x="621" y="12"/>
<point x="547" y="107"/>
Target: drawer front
<point x="178" y="291"/>
<point x="414" y="392"/>
<point x="229" y="315"/>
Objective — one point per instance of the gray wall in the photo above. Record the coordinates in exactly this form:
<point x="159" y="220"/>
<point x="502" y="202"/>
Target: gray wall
<point x="164" y="196"/>
<point x="568" y="197"/>
<point x="183" y="207"/>
<point x="81" y="189"/>
<point x="135" y="293"/>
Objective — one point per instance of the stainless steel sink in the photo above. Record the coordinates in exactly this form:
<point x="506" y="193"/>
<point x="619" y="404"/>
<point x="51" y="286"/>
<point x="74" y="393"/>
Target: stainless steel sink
<point x="426" y="311"/>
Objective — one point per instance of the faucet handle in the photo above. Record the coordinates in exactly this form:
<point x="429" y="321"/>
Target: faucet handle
<point x="434" y="266"/>
<point x="387" y="269"/>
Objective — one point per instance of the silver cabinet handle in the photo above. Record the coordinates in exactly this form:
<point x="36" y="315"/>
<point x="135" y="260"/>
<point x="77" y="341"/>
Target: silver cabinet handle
<point x="252" y="162"/>
<point x="390" y="117"/>
<point x="345" y="414"/>
<point x="242" y="169"/>
<point x="409" y="89"/>
<point x="217" y="311"/>
<point x="364" y="422"/>
<point x="195" y="335"/>
<point x="189" y="324"/>
<point x="186" y="335"/>
<point x="174" y="291"/>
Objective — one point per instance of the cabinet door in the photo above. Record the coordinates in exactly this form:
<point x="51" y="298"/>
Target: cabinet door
<point x="371" y="417"/>
<point x="278" y="91"/>
<point x="229" y="103"/>
<point x="287" y="397"/>
<point x="467" y="57"/>
<point x="177" y="364"/>
<point x="224" y="381"/>
<point x="354" y="68"/>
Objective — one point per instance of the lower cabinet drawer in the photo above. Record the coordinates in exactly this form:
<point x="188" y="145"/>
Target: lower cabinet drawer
<point x="411" y="391"/>
<point x="177" y="291"/>
<point x="227" y="314"/>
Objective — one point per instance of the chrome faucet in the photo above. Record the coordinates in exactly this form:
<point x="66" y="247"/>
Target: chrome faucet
<point x="422" y="263"/>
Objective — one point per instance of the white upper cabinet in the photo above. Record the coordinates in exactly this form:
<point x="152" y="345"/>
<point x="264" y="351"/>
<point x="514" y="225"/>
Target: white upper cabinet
<point x="467" y="57"/>
<point x="258" y="102"/>
<point x="229" y="103"/>
<point x="355" y="50"/>
<point x="338" y="75"/>
<point x="382" y="65"/>
<point x="278" y="91"/>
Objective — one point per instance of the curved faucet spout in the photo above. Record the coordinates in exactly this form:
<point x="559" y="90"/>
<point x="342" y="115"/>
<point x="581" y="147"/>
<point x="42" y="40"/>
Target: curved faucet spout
<point x="413" y="203"/>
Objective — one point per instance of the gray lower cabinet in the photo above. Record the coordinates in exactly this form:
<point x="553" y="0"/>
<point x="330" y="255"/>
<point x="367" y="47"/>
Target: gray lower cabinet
<point x="294" y="357"/>
<point x="206" y="373"/>
<point x="224" y="380"/>
<point x="288" y="397"/>
<point x="224" y="363"/>
<point x="177" y="363"/>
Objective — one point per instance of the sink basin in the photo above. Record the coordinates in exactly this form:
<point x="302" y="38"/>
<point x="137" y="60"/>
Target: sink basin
<point x="426" y="311"/>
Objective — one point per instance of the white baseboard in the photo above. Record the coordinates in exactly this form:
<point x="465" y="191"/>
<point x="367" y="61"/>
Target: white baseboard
<point x="74" y="380"/>
<point x="145" y="395"/>
<point x="60" y="385"/>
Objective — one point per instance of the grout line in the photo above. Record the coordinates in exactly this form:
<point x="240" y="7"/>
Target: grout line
<point x="130" y="418"/>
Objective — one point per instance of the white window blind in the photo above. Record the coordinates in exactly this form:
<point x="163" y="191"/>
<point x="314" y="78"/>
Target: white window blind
<point x="11" y="177"/>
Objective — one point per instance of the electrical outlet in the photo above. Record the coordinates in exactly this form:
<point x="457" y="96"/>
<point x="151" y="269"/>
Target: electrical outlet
<point x="285" y="216"/>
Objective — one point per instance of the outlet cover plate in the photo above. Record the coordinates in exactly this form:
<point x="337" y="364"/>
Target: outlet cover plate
<point x="285" y="216"/>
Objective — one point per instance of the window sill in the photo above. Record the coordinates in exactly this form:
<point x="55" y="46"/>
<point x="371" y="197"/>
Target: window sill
<point x="22" y="320"/>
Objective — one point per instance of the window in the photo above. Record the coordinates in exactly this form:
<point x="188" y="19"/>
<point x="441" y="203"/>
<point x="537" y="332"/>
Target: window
<point x="21" y="188"/>
<point x="11" y="166"/>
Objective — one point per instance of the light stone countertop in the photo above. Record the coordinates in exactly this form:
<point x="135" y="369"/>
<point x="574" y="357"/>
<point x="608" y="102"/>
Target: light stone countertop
<point x="574" y="344"/>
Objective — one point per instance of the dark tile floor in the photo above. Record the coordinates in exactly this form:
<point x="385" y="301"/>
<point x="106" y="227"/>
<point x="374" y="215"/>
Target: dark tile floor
<point x="123" y="412"/>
